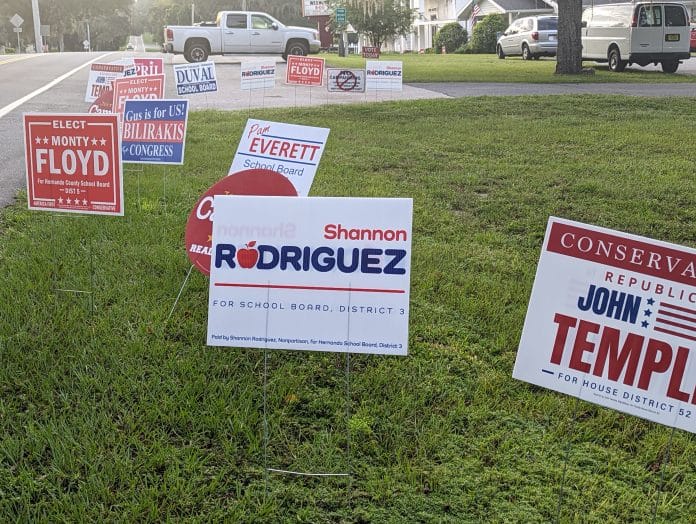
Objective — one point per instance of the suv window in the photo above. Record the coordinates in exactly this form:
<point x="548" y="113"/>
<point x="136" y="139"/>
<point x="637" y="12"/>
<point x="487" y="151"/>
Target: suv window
<point x="674" y="16"/>
<point x="236" y="21"/>
<point x="547" y="24"/>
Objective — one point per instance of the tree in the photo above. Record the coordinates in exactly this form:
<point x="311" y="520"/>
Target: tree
<point x="381" y="19"/>
<point x="569" y="53"/>
<point x="484" y="36"/>
<point x="451" y="36"/>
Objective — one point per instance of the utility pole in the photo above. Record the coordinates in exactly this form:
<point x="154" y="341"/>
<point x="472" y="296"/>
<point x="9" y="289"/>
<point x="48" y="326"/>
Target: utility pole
<point x="38" y="42"/>
<point x="193" y="10"/>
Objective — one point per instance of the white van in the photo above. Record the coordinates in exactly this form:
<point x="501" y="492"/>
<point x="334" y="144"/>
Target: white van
<point x="636" y="33"/>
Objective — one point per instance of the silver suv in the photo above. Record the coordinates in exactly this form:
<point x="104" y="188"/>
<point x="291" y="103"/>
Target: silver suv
<point x="530" y="37"/>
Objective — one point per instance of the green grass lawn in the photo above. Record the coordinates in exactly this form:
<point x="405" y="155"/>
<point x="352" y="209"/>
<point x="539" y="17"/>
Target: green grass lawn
<point x="489" y="68"/>
<point x="119" y="415"/>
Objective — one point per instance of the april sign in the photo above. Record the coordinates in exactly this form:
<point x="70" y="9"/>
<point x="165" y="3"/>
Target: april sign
<point x="612" y="320"/>
<point x="73" y="163"/>
<point x="154" y="131"/>
<point x="318" y="274"/>
<point x="196" y="78"/>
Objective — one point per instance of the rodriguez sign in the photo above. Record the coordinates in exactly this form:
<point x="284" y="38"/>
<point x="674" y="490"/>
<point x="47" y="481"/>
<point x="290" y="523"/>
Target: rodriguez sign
<point x="612" y="320"/>
<point x="319" y="274"/>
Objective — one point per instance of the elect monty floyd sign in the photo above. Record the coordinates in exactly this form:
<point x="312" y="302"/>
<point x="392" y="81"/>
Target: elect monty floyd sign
<point x="319" y="274"/>
<point x="612" y="320"/>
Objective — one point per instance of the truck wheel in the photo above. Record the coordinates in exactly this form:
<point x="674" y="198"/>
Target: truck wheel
<point x="670" y="66"/>
<point x="615" y="63"/>
<point x="196" y="52"/>
<point x="297" y="48"/>
<point x="499" y="52"/>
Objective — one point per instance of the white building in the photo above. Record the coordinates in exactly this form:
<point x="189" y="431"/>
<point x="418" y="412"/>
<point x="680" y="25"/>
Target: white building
<point x="433" y="14"/>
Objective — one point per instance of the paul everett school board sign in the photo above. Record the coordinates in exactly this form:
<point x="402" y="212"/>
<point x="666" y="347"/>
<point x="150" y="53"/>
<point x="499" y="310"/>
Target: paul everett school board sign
<point x="258" y="75"/>
<point x="304" y="70"/>
<point x="318" y="274"/>
<point x="384" y="75"/>
<point x="149" y="87"/>
<point x="292" y="150"/>
<point x="154" y="131"/>
<point x="612" y="320"/>
<point x="73" y="163"/>
<point x="196" y="78"/>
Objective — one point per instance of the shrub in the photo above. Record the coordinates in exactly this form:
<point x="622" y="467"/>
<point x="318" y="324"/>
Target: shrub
<point x="484" y="36"/>
<point x="451" y="36"/>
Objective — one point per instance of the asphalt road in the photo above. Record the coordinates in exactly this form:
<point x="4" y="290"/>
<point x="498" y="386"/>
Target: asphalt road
<point x="56" y="83"/>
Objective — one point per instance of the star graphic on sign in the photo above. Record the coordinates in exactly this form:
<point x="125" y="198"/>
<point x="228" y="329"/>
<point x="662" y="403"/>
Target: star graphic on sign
<point x="38" y="140"/>
<point x="647" y="312"/>
<point x="94" y="141"/>
<point x="651" y="301"/>
<point x="102" y="141"/>
<point x="45" y="140"/>
<point x="69" y="201"/>
<point x="644" y="323"/>
<point x="60" y="200"/>
<point x="84" y="202"/>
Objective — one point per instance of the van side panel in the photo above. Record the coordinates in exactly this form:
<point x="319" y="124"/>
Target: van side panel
<point x="607" y="25"/>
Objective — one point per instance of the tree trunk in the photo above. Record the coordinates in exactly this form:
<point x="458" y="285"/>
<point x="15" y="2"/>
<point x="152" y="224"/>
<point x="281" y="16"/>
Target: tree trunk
<point x="569" y="55"/>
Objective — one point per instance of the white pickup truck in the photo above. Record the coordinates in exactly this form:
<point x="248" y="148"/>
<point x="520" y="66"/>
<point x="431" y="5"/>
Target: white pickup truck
<point x="239" y="32"/>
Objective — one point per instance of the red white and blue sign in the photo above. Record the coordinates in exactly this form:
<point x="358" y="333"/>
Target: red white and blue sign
<point x="292" y="150"/>
<point x="612" y="320"/>
<point x="73" y="163"/>
<point x="192" y="79"/>
<point x="317" y="274"/>
<point x="154" y="131"/>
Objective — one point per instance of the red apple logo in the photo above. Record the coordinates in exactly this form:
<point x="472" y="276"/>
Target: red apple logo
<point x="247" y="257"/>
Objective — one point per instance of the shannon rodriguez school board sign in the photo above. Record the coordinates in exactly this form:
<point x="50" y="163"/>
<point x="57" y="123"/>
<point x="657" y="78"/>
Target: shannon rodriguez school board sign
<point x="73" y="163"/>
<point x="612" y="320"/>
<point x="318" y="274"/>
<point x="292" y="150"/>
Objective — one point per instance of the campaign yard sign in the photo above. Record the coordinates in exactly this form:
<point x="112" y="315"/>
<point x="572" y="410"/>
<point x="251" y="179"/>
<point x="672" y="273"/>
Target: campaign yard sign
<point x="101" y="76"/>
<point x="318" y="274"/>
<point x="345" y="80"/>
<point x="73" y="163"/>
<point x="149" y="87"/>
<point x="154" y="131"/>
<point x="258" y="75"/>
<point x="304" y="70"/>
<point x="195" y="78"/>
<point x="370" y="52"/>
<point x="612" y="320"/>
<point x="148" y="66"/>
<point x="292" y="150"/>
<point x="384" y="75"/>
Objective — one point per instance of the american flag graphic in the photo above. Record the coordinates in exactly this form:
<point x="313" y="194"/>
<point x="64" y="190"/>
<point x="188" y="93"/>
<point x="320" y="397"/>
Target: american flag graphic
<point x="675" y="320"/>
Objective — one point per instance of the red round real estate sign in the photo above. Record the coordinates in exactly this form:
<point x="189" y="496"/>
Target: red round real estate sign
<point x="199" y="227"/>
<point x="73" y="163"/>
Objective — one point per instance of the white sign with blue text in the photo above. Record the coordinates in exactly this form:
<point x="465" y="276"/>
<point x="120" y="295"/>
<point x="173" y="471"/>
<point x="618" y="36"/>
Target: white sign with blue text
<point x="192" y="79"/>
<point x="383" y="75"/>
<point x="292" y="150"/>
<point x="258" y="75"/>
<point x="317" y="274"/>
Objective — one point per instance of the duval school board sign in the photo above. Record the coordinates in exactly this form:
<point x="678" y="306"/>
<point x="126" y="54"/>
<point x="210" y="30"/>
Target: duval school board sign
<point x="612" y="320"/>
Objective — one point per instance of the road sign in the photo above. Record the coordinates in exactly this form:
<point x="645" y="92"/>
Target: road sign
<point x="341" y="15"/>
<point x="17" y="29"/>
<point x="16" y="21"/>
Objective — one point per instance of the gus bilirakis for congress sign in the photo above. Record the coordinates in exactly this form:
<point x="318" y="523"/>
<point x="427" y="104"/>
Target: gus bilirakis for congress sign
<point x="320" y="274"/>
<point x="154" y="131"/>
<point x="612" y="320"/>
<point x="73" y="163"/>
